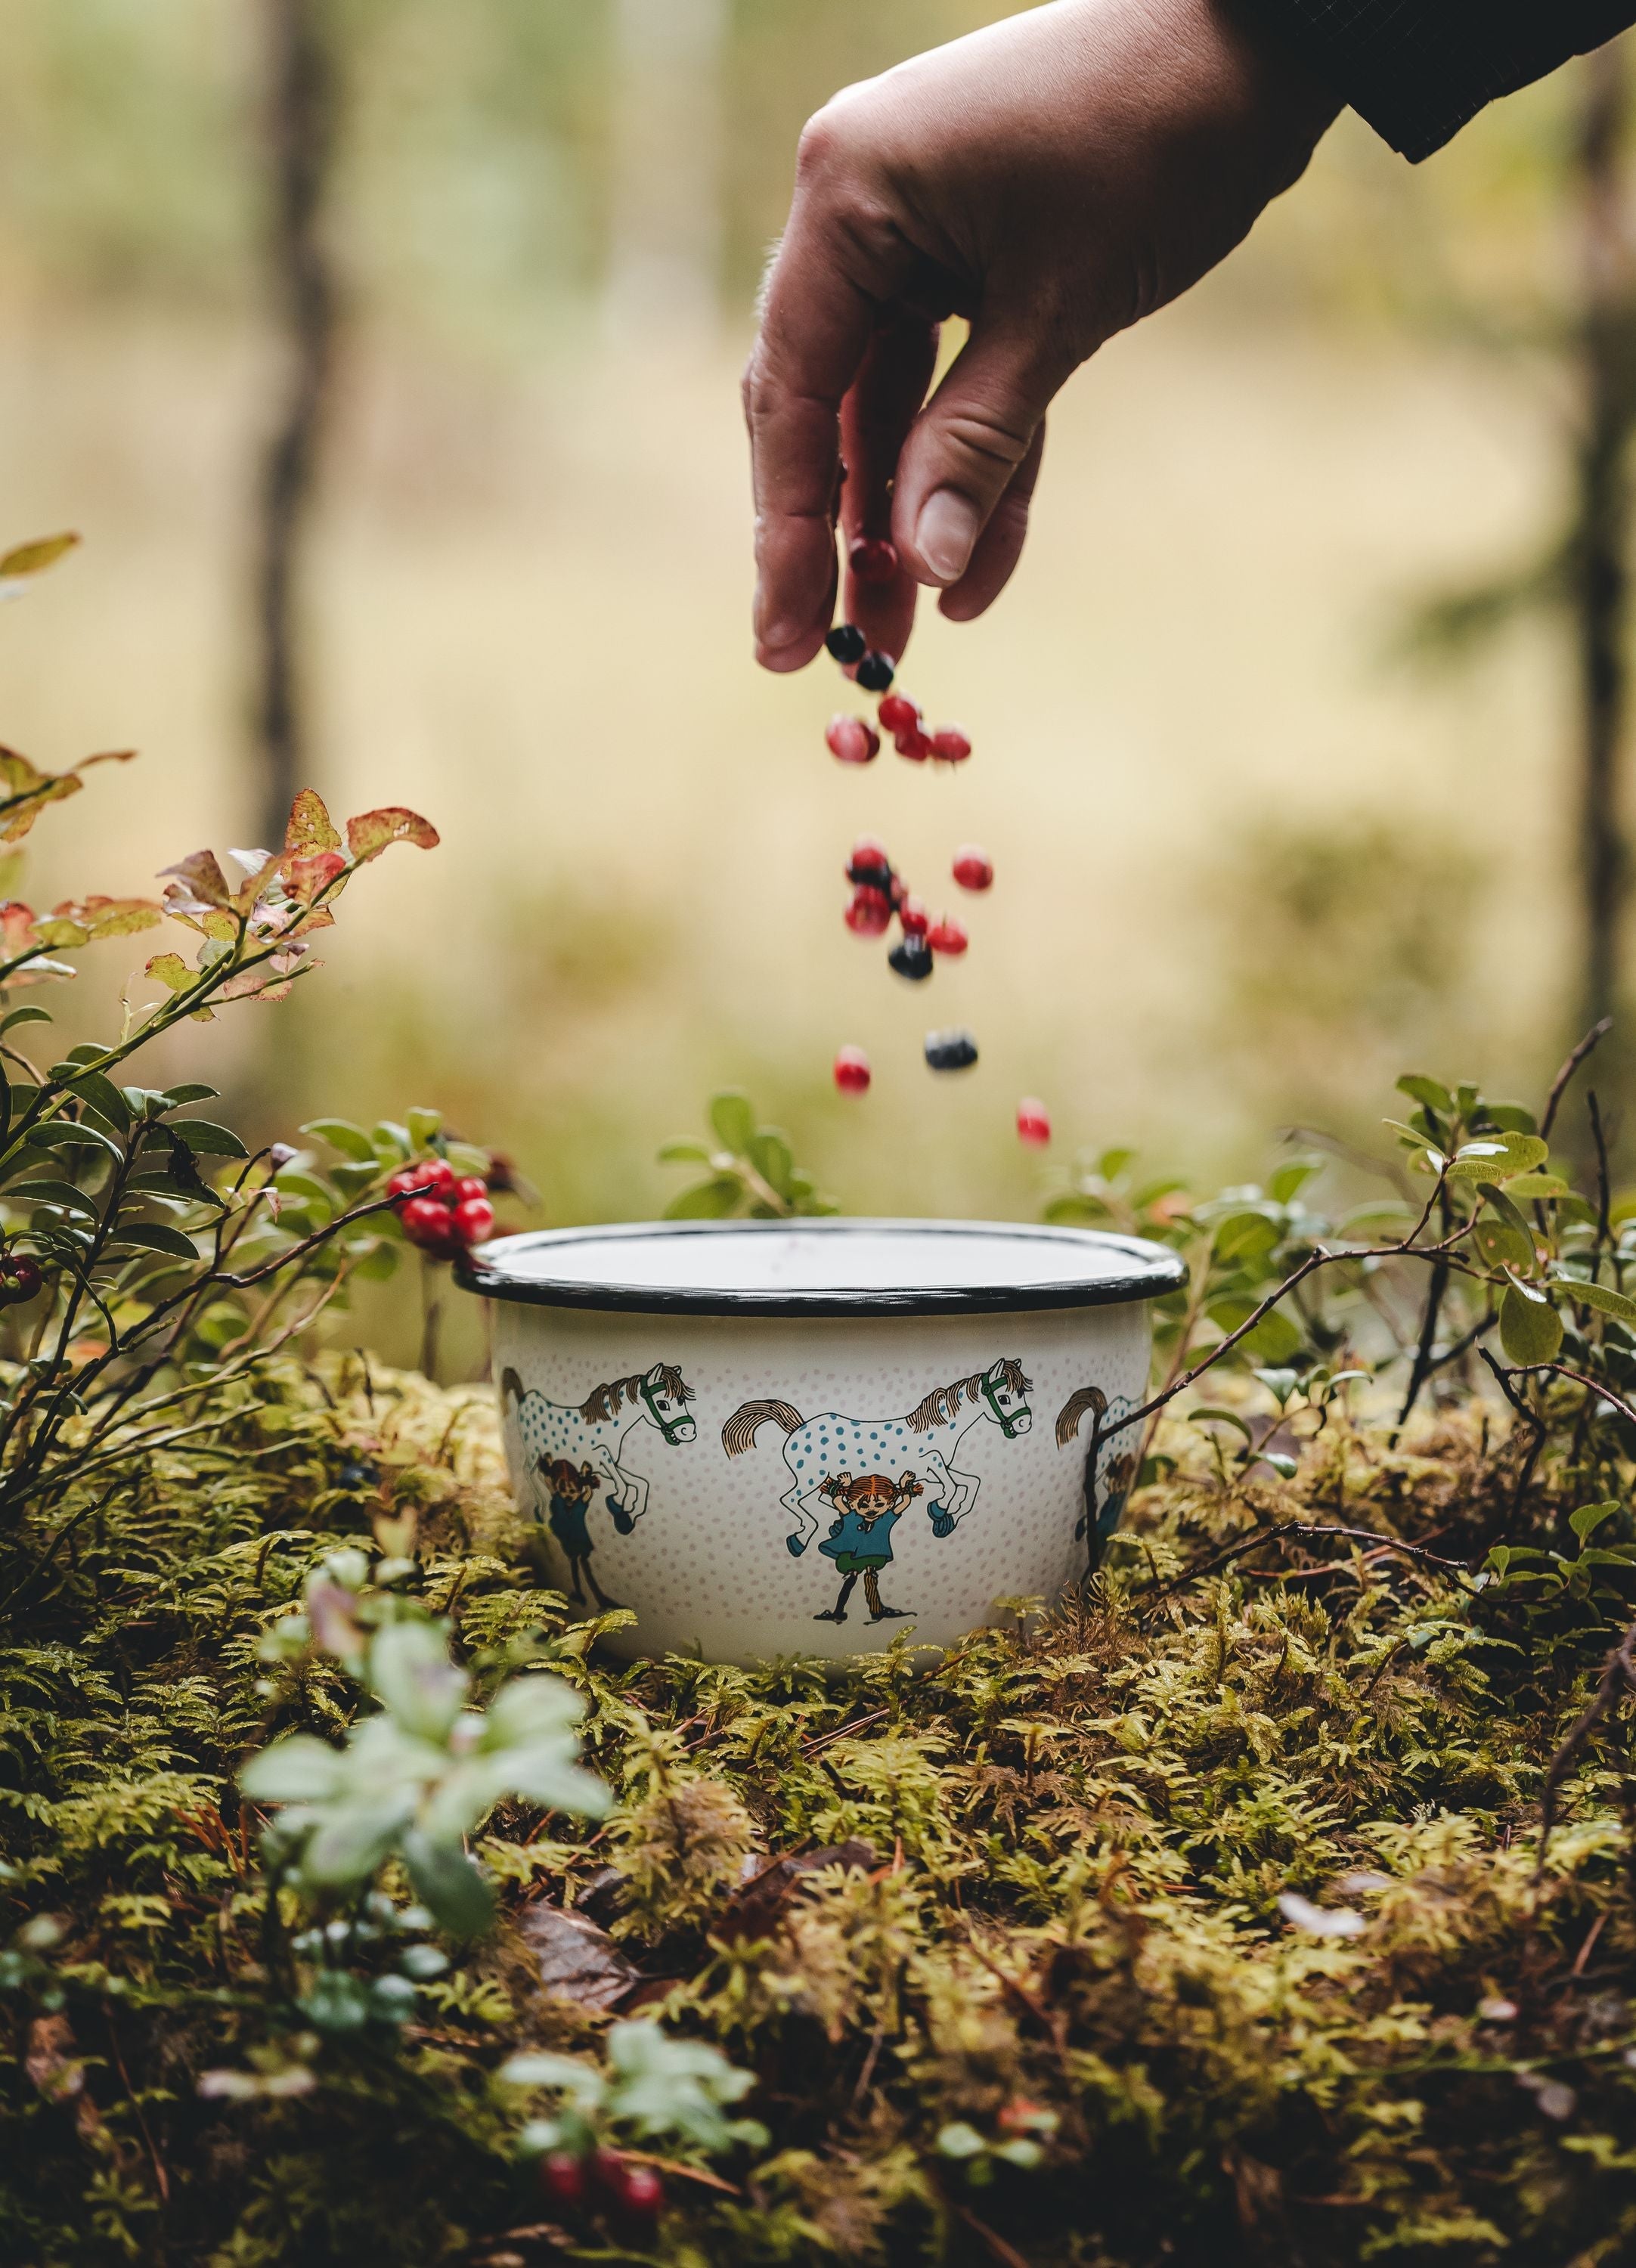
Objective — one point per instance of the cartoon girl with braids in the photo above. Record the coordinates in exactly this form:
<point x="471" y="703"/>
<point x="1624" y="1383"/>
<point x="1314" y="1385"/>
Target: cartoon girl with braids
<point x="861" y="1540"/>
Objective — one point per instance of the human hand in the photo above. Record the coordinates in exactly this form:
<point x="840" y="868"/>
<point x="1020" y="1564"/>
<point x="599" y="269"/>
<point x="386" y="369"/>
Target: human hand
<point x="1053" y="179"/>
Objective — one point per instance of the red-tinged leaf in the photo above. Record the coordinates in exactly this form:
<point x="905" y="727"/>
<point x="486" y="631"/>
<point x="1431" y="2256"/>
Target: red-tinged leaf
<point x="200" y="883"/>
<point x="310" y="828"/>
<point x="108" y="756"/>
<point x="171" y="970"/>
<point x="25" y="559"/>
<point x="374" y="831"/>
<point x="320" y="917"/>
<point x="17" y="928"/>
<point x="82" y="922"/>
<point x="37" y="972"/>
<point x="576" y="1960"/>
<point x="306" y="876"/>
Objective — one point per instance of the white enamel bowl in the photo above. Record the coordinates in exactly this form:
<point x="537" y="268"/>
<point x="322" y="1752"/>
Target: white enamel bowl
<point x="781" y="1438"/>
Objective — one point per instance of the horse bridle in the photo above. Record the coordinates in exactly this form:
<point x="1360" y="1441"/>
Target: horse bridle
<point x="1008" y="1421"/>
<point x="670" y="1427"/>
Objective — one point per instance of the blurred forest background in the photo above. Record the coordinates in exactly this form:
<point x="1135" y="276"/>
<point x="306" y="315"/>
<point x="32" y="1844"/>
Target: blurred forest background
<point x="1279" y="729"/>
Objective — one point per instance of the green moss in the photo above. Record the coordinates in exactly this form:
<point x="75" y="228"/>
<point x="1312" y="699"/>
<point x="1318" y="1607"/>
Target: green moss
<point x="1070" y="1946"/>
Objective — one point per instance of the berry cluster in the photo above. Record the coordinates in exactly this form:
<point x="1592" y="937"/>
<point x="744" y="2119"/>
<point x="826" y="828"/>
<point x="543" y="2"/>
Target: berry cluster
<point x="852" y="740"/>
<point x="20" y="1279"/>
<point x="571" y="2183"/>
<point x="442" y="1213"/>
<point x="880" y="896"/>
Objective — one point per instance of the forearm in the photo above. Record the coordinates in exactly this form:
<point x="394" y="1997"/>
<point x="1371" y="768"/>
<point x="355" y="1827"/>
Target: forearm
<point x="1418" y="69"/>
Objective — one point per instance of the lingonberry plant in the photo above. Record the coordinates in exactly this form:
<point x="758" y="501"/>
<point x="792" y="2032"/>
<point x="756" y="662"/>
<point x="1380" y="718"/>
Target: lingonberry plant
<point x="752" y="1168"/>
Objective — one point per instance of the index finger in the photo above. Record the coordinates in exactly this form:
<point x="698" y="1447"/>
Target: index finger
<point x="816" y="322"/>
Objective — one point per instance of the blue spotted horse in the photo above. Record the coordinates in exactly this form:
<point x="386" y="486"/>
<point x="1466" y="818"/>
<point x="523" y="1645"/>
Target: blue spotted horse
<point x="596" y="1431"/>
<point x="820" y="1449"/>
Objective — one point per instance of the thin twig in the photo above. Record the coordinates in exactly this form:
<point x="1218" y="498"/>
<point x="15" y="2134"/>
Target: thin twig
<point x="1503" y="1377"/>
<point x="1308" y="1531"/>
<point x="1559" y="1086"/>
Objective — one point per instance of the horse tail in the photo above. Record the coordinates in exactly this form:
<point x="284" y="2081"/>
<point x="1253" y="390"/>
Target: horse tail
<point x="743" y="1427"/>
<point x="511" y="1386"/>
<point x="1072" y="1415"/>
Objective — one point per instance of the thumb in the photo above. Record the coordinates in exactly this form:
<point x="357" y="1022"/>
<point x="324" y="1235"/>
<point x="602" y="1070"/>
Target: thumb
<point x="965" y="447"/>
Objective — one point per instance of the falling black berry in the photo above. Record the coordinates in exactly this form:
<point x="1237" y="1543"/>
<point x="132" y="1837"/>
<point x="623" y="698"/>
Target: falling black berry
<point x="847" y="642"/>
<point x="875" y="672"/>
<point x="912" y="957"/>
<point x="954" y="1050"/>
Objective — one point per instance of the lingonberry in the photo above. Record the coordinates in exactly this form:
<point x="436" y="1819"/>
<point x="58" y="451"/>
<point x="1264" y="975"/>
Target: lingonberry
<point x="429" y="1223"/>
<point x="953" y="1050"/>
<point x="474" y="1221"/>
<point x="403" y="1183"/>
<point x="898" y="715"/>
<point x="608" y="2170"/>
<point x="642" y="2192"/>
<point x="875" y="672"/>
<point x="434" y="1173"/>
<point x="471" y="1185"/>
<point x="26" y="1278"/>
<point x="852" y="1073"/>
<point x="914" y="744"/>
<point x="869" y="865"/>
<point x="974" y="870"/>
<point x="562" y="2177"/>
<point x="912" y="957"/>
<point x="950" y="745"/>
<point x="1034" y="1123"/>
<point x="872" y="559"/>
<point x="847" y="642"/>
<point x="946" y="936"/>
<point x="850" y="741"/>
<point x="914" y="916"/>
<point x="869" y="914"/>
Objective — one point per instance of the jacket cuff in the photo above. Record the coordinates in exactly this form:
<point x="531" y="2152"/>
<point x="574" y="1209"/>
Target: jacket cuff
<point x="1418" y="69"/>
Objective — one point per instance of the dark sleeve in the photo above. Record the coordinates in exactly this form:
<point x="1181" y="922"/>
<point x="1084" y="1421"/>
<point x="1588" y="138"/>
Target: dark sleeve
<point x="1418" y="69"/>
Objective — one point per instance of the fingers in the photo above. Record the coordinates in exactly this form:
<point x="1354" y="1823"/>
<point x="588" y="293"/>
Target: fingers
<point x="999" y="546"/>
<point x="831" y="274"/>
<point x="880" y="409"/>
<point x="968" y="445"/>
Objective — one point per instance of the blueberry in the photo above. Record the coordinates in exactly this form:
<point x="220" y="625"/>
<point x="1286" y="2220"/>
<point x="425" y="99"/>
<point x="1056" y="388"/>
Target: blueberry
<point x="847" y="642"/>
<point x="954" y="1050"/>
<point x="912" y="957"/>
<point x="875" y="672"/>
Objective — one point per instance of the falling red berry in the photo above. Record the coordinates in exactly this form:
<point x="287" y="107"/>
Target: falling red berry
<point x="973" y="868"/>
<point x="872" y="559"/>
<point x="870" y="913"/>
<point x="1033" y="1123"/>
<point x="562" y="2177"/>
<point x="950" y="745"/>
<point x="914" y="744"/>
<point x="898" y="715"/>
<point x="915" y="920"/>
<point x="850" y="741"/>
<point x="948" y="937"/>
<point x="474" y="1221"/>
<point x="852" y="1073"/>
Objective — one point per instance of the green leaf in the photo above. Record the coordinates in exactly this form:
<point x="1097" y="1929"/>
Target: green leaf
<point x="74" y="1134"/>
<point x="424" y="1126"/>
<point x="1510" y="1117"/>
<point x="712" y="1200"/>
<point x="734" y="1120"/>
<point x="1534" y="1189"/>
<point x="1589" y="1517"/>
<point x="683" y="1154"/>
<point x="446" y="1882"/>
<point x="1603" y="1297"/>
<point x="154" y="1236"/>
<point x="1427" y="1092"/>
<point x="297" y="1768"/>
<point x="28" y="1015"/>
<point x="1245" y="1236"/>
<point x="773" y="1158"/>
<point x="1416" y="1140"/>
<point x="1075" y="1209"/>
<point x="1274" y="1340"/>
<point x="1289" y="1180"/>
<point x="176" y="1097"/>
<point x="47" y="1191"/>
<point x="206" y="1139"/>
<point x="1213" y="1417"/>
<point x="1498" y="1157"/>
<point x="34" y="558"/>
<point x="1112" y="1163"/>
<point x="1530" y="1329"/>
<point x="341" y="1134"/>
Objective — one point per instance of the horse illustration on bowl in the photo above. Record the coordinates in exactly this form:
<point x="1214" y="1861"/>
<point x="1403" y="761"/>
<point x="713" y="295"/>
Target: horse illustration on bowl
<point x="817" y="1449"/>
<point x="594" y="1431"/>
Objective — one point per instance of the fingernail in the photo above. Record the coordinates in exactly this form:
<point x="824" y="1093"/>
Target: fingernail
<point x="945" y="533"/>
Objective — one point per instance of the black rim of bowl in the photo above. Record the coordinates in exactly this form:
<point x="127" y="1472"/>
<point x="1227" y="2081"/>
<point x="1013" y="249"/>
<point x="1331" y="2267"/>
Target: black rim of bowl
<point x="1153" y="1270"/>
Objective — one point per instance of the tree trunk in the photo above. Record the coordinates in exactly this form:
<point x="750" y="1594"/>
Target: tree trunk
<point x="1602" y="560"/>
<point x="301" y="119"/>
